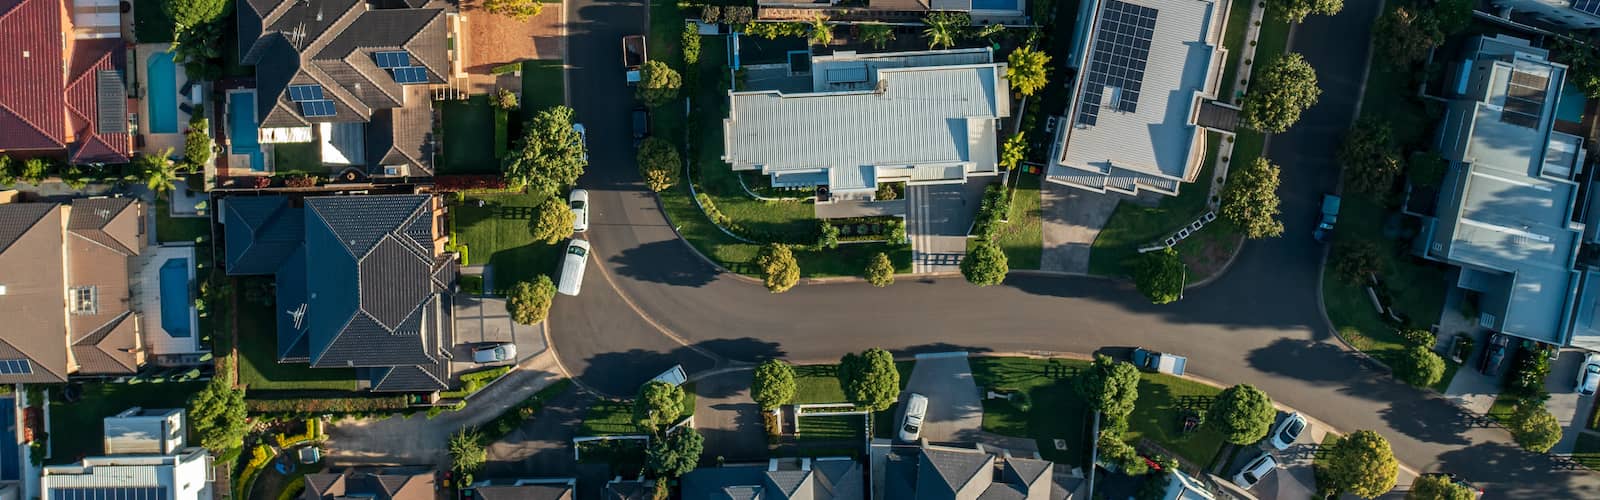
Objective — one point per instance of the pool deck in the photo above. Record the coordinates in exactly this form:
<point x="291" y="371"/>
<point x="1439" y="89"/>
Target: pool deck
<point x="147" y="301"/>
<point x="156" y="142"/>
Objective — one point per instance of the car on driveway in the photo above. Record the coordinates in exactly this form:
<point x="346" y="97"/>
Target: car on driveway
<point x="916" y="410"/>
<point x="578" y="201"/>
<point x="1494" y="355"/>
<point x="494" y="353"/>
<point x="1255" y="471"/>
<point x="1288" y="431"/>
<point x="1589" y="375"/>
<point x="641" y="125"/>
<point x="583" y="140"/>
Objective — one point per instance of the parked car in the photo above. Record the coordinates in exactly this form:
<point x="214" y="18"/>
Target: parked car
<point x="578" y="201"/>
<point x="1255" y="471"/>
<point x="1288" y="431"/>
<point x="633" y="57"/>
<point x="494" y="353"/>
<point x="1326" y="219"/>
<point x="916" y="410"/>
<point x="1589" y="375"/>
<point x="641" y="125"/>
<point x="583" y="139"/>
<point x="1494" y="355"/>
<point x="1160" y="362"/>
<point x="572" y="266"/>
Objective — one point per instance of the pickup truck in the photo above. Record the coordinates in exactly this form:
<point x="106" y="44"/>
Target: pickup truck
<point x="1161" y="362"/>
<point x="1330" y="216"/>
<point x="633" y="57"/>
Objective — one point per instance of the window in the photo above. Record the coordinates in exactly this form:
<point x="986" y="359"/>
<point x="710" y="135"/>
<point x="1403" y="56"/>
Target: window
<point x="15" y="367"/>
<point x="82" y="300"/>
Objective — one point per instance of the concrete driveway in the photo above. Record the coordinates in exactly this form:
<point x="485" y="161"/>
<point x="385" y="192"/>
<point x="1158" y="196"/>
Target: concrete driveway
<point x="483" y="320"/>
<point x="1570" y="409"/>
<point x="938" y="221"/>
<point x="728" y="418"/>
<point x="955" y="410"/>
<point x="1072" y="220"/>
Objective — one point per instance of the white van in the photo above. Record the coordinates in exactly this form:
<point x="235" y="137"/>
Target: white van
<point x="572" y="267"/>
<point x="916" y="409"/>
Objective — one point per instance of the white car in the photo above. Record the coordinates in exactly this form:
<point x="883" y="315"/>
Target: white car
<point x="583" y="139"/>
<point x="1288" y="431"/>
<point x="1257" y="469"/>
<point x="916" y="410"/>
<point x="1589" y="375"/>
<point x="579" y="203"/>
<point x="495" y="353"/>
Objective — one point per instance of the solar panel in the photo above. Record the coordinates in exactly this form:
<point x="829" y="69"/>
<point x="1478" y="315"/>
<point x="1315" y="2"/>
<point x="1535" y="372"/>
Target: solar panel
<point x="320" y="107"/>
<point x="392" y="59"/>
<point x="15" y="367"/>
<point x="1116" y="68"/>
<point x="1589" y="6"/>
<point x="303" y="93"/>
<point x="410" y="74"/>
<point x="109" y="493"/>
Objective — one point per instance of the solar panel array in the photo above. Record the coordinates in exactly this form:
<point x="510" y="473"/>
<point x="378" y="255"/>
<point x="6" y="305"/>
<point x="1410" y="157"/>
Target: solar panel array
<point x="303" y="93"/>
<point x="1590" y="6"/>
<point x="410" y="74"/>
<point x="392" y="59"/>
<point x="1121" y="50"/>
<point x="320" y="107"/>
<point x="15" y="367"/>
<point x="109" y="493"/>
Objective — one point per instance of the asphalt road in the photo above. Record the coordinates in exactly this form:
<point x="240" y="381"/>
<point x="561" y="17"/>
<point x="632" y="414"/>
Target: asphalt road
<point x="650" y="301"/>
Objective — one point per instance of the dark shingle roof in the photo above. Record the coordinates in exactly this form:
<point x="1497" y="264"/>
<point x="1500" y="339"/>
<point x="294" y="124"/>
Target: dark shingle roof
<point x="948" y="470"/>
<point x="525" y="492"/>
<point x="109" y="350"/>
<point x="261" y="231"/>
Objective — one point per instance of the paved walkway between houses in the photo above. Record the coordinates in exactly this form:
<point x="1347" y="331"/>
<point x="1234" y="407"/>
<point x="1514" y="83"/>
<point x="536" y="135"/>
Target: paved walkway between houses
<point x="955" y="412"/>
<point x="1072" y="219"/>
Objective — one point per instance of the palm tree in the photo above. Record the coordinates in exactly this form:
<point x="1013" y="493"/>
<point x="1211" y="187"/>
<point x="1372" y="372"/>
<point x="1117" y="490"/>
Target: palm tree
<point x="158" y="170"/>
<point x="821" y="33"/>
<point x="942" y="26"/>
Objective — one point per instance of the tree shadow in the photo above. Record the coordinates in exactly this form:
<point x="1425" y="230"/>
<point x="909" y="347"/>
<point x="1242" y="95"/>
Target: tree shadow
<point x="660" y="262"/>
<point x="1520" y="473"/>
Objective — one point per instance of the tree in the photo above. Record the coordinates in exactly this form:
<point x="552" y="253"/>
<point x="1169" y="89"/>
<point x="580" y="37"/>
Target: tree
<point x="467" y="453"/>
<point x="1160" y="276"/>
<point x="1362" y="464"/>
<point x="1354" y="260"/>
<point x="772" y="384"/>
<point x="1369" y="157"/>
<point x="520" y="10"/>
<point x="1438" y="487"/>
<point x="827" y="234"/>
<point x="187" y="14"/>
<point x="886" y="192"/>
<point x="1534" y="428"/>
<point x="197" y="143"/>
<point x="710" y="13"/>
<point x="553" y="221"/>
<point x="1282" y="89"/>
<point x="675" y="454"/>
<point x="1109" y="386"/>
<point x="690" y="44"/>
<point x="549" y="155"/>
<point x="880" y="272"/>
<point x="1250" y="200"/>
<point x="1403" y="37"/>
<point x="1242" y="413"/>
<point x="217" y="414"/>
<point x="659" y="404"/>
<point x="1013" y="150"/>
<point x="8" y="171"/>
<point x="504" y="100"/>
<point x="658" y="83"/>
<point x="942" y="28"/>
<point x="1453" y="16"/>
<point x="659" y="163"/>
<point x="159" y="173"/>
<point x="869" y="379"/>
<point x="877" y="34"/>
<point x="1114" y="450"/>
<point x="779" y="270"/>
<point x="985" y="265"/>
<point x="1583" y="65"/>
<point x="821" y="33"/>
<point x="1028" y="69"/>
<point x="1295" y="11"/>
<point x="1420" y="366"/>
<point x="529" y="302"/>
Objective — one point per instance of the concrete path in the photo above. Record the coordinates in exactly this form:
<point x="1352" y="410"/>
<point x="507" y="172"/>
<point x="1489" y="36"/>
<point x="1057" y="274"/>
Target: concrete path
<point x="955" y="412"/>
<point x="728" y="418"/>
<point x="1072" y="220"/>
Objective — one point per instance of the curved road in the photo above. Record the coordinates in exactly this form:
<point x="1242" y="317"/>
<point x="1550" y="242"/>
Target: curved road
<point x="652" y="302"/>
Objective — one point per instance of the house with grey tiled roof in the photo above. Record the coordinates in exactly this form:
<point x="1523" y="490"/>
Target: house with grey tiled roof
<point x="778" y="479"/>
<point x="362" y="282"/>
<point x="354" y="75"/>
<point x="935" y="472"/>
<point x="376" y="485"/>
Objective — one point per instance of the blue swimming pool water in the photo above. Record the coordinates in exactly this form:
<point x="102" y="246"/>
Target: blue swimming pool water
<point x="242" y="128"/>
<point x="10" y="463"/>
<point x="994" y="4"/>
<point x="162" y="97"/>
<point x="1570" y="106"/>
<point x="175" y="301"/>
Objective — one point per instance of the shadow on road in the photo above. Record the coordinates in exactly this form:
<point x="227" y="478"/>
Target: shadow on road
<point x="1520" y="474"/>
<point x="644" y="263"/>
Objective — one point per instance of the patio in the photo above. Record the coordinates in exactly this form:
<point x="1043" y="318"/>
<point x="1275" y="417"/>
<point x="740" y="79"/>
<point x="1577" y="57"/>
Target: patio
<point x="164" y="296"/>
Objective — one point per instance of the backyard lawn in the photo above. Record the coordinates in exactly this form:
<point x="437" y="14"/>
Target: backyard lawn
<point x="609" y="418"/>
<point x="542" y="86"/>
<point x="1056" y="412"/>
<point x="469" y="134"/>
<point x="1022" y="236"/>
<point x="1587" y="450"/>
<point x="298" y="157"/>
<point x="178" y="229"/>
<point x="1158" y="415"/>
<point x="75" y="428"/>
<point x="831" y="427"/>
<point x="816" y="384"/>
<point x="1132" y="225"/>
<point x="259" y="368"/>
<point x="500" y="234"/>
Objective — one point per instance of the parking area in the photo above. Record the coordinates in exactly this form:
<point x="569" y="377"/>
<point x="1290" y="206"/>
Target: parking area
<point x="483" y="320"/>
<point x="955" y="412"/>
<point x="1570" y="409"/>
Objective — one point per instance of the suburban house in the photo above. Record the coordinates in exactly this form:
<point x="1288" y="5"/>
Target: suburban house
<point x="565" y="488"/>
<point x="1570" y="14"/>
<point x="1506" y="205"/>
<point x="65" y="273"/>
<point x="146" y="459"/>
<point x="351" y="75"/>
<point x="906" y="11"/>
<point x="1121" y="135"/>
<point x="794" y="479"/>
<point x="925" y="117"/>
<point x="64" y="94"/>
<point x="419" y="485"/>
<point x="929" y="471"/>
<point x="363" y="282"/>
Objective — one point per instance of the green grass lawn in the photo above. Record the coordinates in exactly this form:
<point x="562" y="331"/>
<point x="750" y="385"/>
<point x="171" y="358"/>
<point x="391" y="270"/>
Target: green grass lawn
<point x="469" y="132"/>
<point x="542" y="86"/>
<point x="259" y="368"/>
<point x="75" y="428"/>
<point x="1158" y="414"/>
<point x="298" y="157"/>
<point x="1132" y="225"/>
<point x="609" y="418"/>
<point x="500" y="233"/>
<point x="817" y="384"/>
<point x="1022" y="238"/>
<point x="1056" y="413"/>
<point x="151" y="23"/>
<point x="1587" y="450"/>
<point x="180" y="229"/>
<point x="820" y="428"/>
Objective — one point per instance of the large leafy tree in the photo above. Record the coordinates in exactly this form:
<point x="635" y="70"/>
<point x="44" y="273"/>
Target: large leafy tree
<point x="1109" y="386"/>
<point x="1534" y="427"/>
<point x="1420" y="366"/>
<point x="659" y="163"/>
<point x="1370" y="159"/>
<point x="659" y="404"/>
<point x="1453" y="16"/>
<point x="187" y="14"/>
<point x="658" y="83"/>
<point x="1282" y="90"/>
<point x="942" y="28"/>
<point x="1295" y="11"/>
<point x="529" y="302"/>
<point x="553" y="221"/>
<point x="549" y="155"/>
<point x="520" y="10"/>
<point x="985" y="265"/>
<point x="880" y="272"/>
<point x="1403" y="36"/>
<point x="1028" y="69"/>
<point x="675" y="454"/>
<point x="1250" y="200"/>
<point x="1159" y="275"/>
<point x="1242" y="413"/>
<point x="772" y="385"/>
<point x="197" y="143"/>
<point x="1583" y="65"/>
<point x="1362" y="464"/>
<point x="869" y="379"/>
<point x="779" y="270"/>
<point x="1438" y="487"/>
<point x="217" y="414"/>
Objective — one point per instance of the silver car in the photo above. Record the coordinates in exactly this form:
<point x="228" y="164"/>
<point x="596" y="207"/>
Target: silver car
<point x="579" y="203"/>
<point x="1259" y="468"/>
<point x="1589" y="375"/>
<point x="494" y="353"/>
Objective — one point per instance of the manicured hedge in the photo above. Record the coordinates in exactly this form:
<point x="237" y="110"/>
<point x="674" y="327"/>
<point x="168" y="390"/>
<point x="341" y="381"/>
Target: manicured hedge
<point x="315" y="405"/>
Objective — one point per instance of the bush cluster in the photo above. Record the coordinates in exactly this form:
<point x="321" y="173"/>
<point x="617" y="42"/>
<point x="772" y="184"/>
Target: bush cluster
<point x="310" y="406"/>
<point x="469" y="183"/>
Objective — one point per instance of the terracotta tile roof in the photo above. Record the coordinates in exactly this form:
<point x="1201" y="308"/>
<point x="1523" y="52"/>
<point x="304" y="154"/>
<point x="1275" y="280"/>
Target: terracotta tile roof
<point x="84" y="93"/>
<point x="31" y="94"/>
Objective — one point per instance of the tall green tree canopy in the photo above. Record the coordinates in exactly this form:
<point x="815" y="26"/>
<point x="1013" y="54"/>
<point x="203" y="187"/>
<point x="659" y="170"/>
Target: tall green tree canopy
<point x="1534" y="427"/>
<point x="187" y="14"/>
<point x="549" y="155"/>
<point x="1028" y="69"/>
<point x="467" y="453"/>
<point x="217" y="414"/>
<point x="772" y="385"/>
<point x="1159" y="275"/>
<point x="869" y="379"/>
<point x="1295" y="11"/>
<point x="1109" y="386"/>
<point x="658" y="83"/>
<point x="985" y="265"/>
<point x="880" y="271"/>
<point x="1282" y="89"/>
<point x="1371" y="160"/>
<point x="659" y="163"/>
<point x="779" y="270"/>
<point x="659" y="404"/>
<point x="1242" y="413"/>
<point x="529" y="302"/>
<point x="553" y="221"/>
<point x="1403" y="36"/>
<point x="1250" y="200"/>
<point x="1438" y="487"/>
<point x="1362" y="464"/>
<point x="675" y="454"/>
<point x="1420" y="366"/>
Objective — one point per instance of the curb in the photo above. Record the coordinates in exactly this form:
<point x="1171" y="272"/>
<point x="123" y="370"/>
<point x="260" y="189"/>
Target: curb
<point x="1237" y="249"/>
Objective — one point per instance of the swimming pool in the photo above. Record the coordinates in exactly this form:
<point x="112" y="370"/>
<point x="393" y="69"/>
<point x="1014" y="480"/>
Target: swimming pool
<point x="242" y="128"/>
<point x="996" y="5"/>
<point x="10" y="463"/>
<point x="175" y="301"/>
<point x="162" y="97"/>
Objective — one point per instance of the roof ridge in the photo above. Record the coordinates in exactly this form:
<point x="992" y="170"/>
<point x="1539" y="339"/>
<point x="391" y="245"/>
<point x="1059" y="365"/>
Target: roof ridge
<point x="88" y="70"/>
<point x="42" y="214"/>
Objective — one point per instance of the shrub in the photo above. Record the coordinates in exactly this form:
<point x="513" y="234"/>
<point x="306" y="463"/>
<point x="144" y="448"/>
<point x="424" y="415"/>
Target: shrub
<point x="529" y="302"/>
<point x="1420" y="366"/>
<point x="197" y="142"/>
<point x="35" y="171"/>
<point x="709" y="14"/>
<point x="880" y="271"/>
<point x="553" y="221"/>
<point x="1354" y="260"/>
<point x="301" y="181"/>
<point x="886" y="192"/>
<point x="469" y="183"/>
<point x="659" y="163"/>
<point x="690" y="44"/>
<point x="1242" y="413"/>
<point x="1528" y="379"/>
<point x="827" y="234"/>
<point x="260" y="182"/>
<point x="467" y="453"/>
<point x="1418" y="336"/>
<point x="779" y="269"/>
<point x="985" y="265"/>
<point x="8" y="172"/>
<point x="1363" y="464"/>
<point x="1534" y="428"/>
<point x="506" y="69"/>
<point x="658" y="83"/>
<point x="1160" y="276"/>
<point x="738" y="14"/>
<point x="991" y="212"/>
<point x="769" y="423"/>
<point x="319" y="405"/>
<point x="658" y="405"/>
<point x="504" y="100"/>
<point x="519" y="10"/>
